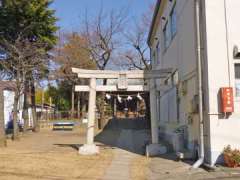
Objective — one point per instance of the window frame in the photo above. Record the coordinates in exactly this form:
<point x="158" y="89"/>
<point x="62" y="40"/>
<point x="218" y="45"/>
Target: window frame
<point x="164" y="35"/>
<point x="154" y="57"/>
<point x="167" y="35"/>
<point x="173" y="23"/>
<point x="158" y="53"/>
<point x="236" y="81"/>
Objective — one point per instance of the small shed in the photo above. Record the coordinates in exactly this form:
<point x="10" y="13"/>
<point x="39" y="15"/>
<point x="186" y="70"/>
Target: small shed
<point x="8" y="88"/>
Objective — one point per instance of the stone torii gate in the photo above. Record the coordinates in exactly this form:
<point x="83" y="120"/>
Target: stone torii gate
<point x="122" y="85"/>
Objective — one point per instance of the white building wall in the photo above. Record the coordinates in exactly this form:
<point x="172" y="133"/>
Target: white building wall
<point x="180" y="55"/>
<point x="221" y="37"/>
<point x="222" y="33"/>
<point x="8" y="105"/>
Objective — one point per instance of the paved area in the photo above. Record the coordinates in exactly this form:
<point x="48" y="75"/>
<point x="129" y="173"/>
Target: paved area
<point x="128" y="137"/>
<point x="130" y="163"/>
<point x="120" y="166"/>
<point x="166" y="168"/>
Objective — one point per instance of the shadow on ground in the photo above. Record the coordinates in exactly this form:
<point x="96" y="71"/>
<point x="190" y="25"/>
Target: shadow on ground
<point x="73" y="146"/>
<point x="130" y="134"/>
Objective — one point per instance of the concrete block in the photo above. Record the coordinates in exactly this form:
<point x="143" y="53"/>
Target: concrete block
<point x="88" y="149"/>
<point x="155" y="149"/>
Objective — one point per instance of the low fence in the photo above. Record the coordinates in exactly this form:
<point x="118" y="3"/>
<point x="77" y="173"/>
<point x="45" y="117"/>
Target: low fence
<point x="77" y="116"/>
<point x="59" y="115"/>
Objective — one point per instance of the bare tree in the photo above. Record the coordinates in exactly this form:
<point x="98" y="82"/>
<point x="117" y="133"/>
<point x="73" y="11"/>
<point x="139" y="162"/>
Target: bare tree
<point x="102" y="35"/>
<point x="103" y="38"/>
<point x="26" y="104"/>
<point x="23" y="60"/>
<point x="137" y="55"/>
<point x="71" y="53"/>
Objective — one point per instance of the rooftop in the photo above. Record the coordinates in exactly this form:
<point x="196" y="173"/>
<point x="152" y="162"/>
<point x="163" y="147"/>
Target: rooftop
<point x="10" y="85"/>
<point x="155" y="14"/>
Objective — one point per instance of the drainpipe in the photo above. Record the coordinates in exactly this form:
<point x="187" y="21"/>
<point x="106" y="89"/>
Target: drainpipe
<point x="200" y="161"/>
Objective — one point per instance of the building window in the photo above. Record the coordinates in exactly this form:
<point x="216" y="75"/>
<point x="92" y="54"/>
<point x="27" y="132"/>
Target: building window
<point x="153" y="57"/>
<point x="173" y="17"/>
<point x="170" y="29"/>
<point x="158" y="53"/>
<point x="167" y="35"/>
<point x="237" y="79"/>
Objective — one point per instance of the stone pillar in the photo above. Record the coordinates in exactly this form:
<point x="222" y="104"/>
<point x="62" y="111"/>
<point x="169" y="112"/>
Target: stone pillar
<point x="90" y="147"/>
<point x="91" y="111"/>
<point x="153" y="109"/>
<point x="115" y="107"/>
<point x="155" y="148"/>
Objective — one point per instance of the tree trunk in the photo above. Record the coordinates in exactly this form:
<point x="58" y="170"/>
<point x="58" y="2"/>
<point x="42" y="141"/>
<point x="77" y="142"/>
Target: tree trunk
<point x="15" y="135"/>
<point x="73" y="97"/>
<point x="51" y="112"/>
<point x="42" y="108"/>
<point x="78" y="105"/>
<point x="36" y="127"/>
<point x="26" y="106"/>
<point x="3" y="141"/>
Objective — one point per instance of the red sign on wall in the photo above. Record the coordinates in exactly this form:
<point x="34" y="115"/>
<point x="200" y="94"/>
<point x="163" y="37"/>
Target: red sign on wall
<point x="227" y="100"/>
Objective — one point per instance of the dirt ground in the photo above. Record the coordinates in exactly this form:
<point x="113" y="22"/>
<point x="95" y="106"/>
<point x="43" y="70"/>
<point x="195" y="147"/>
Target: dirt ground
<point x="51" y="155"/>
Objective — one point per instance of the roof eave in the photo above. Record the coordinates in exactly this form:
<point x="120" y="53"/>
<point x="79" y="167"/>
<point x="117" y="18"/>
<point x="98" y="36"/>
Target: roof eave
<point x="156" y="10"/>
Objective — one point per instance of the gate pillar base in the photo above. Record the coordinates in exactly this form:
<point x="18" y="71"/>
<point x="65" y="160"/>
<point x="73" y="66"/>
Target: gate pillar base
<point x="88" y="149"/>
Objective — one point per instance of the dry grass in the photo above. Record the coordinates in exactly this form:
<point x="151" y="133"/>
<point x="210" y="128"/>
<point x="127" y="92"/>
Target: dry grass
<point x="51" y="155"/>
<point x="53" y="166"/>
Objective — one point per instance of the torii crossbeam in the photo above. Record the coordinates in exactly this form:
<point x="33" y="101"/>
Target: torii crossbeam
<point x="122" y="78"/>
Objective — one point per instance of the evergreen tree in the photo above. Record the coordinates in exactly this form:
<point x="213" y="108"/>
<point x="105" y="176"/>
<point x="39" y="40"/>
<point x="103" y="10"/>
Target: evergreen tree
<point x="30" y="19"/>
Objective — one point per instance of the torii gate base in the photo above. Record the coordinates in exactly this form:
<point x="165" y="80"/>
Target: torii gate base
<point x="155" y="148"/>
<point x="90" y="148"/>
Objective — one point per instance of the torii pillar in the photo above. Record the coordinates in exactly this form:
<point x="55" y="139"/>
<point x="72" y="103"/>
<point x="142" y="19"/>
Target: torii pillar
<point x="153" y="110"/>
<point x="155" y="148"/>
<point x="90" y="148"/>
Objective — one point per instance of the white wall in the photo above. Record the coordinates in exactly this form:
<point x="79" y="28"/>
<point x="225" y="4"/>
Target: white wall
<point x="180" y="55"/>
<point x="222" y="34"/>
<point x="8" y="105"/>
<point x="221" y="37"/>
<point x="181" y="52"/>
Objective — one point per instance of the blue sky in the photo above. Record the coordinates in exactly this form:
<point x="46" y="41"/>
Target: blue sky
<point x="70" y="11"/>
